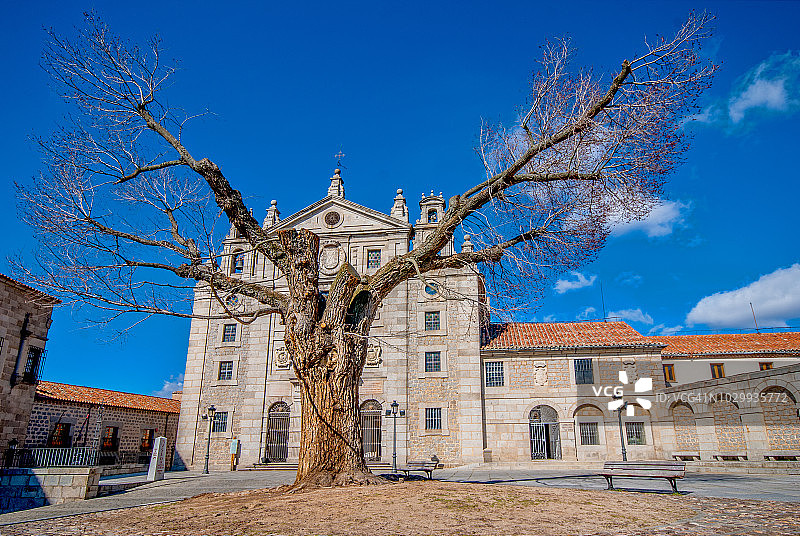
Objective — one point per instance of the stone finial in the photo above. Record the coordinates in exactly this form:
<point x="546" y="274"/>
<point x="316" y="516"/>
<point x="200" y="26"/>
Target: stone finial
<point x="336" y="189"/>
<point x="273" y="215"/>
<point x="467" y="246"/>
<point x="399" y="210"/>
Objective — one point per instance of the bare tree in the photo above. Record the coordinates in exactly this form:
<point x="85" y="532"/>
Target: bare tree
<point x="123" y="200"/>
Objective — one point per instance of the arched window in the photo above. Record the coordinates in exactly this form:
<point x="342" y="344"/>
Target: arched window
<point x="433" y="216"/>
<point x="237" y="262"/>
<point x="371" y="430"/>
<point x="545" y="435"/>
<point x="278" y="432"/>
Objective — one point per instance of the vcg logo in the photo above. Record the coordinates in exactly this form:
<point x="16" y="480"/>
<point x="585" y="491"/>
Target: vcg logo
<point x="642" y="385"/>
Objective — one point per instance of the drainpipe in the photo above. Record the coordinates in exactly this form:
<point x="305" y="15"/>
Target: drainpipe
<point x="24" y="333"/>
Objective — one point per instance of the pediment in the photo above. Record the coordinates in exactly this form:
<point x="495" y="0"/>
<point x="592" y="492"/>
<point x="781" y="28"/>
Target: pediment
<point x="336" y="215"/>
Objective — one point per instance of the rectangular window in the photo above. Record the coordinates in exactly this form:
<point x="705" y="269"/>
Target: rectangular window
<point x="33" y="365"/>
<point x="373" y="258"/>
<point x="110" y="438"/>
<point x="229" y="333"/>
<point x="765" y="366"/>
<point x="225" y="370"/>
<point x="2" y="340"/>
<point x="583" y="371"/>
<point x="60" y="436"/>
<point x="589" y="433"/>
<point x="717" y="370"/>
<point x="220" y="422"/>
<point x="432" y="321"/>
<point x="494" y="374"/>
<point x="148" y="435"/>
<point x="433" y="361"/>
<point x="635" y="433"/>
<point x="433" y="418"/>
<point x="669" y="373"/>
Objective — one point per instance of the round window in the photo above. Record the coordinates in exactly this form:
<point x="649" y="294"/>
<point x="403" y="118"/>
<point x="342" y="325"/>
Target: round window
<point x="431" y="289"/>
<point x="232" y="301"/>
<point x="332" y="218"/>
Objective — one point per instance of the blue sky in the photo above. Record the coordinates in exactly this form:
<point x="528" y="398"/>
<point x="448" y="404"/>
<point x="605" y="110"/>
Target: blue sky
<point x="401" y="88"/>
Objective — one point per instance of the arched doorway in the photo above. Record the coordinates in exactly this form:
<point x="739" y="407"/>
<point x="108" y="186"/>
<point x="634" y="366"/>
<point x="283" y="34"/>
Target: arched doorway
<point x="371" y="430"/>
<point x="545" y="435"/>
<point x="278" y="432"/>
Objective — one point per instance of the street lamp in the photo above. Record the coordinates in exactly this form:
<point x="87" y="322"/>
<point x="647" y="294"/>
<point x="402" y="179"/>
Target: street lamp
<point x="210" y="418"/>
<point x="621" y="433"/>
<point x="393" y="414"/>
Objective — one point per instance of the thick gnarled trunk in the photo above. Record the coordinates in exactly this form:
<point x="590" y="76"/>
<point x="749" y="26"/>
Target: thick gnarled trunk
<point x="326" y="337"/>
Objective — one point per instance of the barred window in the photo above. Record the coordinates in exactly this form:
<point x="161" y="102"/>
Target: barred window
<point x="433" y="418"/>
<point x="373" y="258"/>
<point x="433" y="361"/>
<point x="229" y="333"/>
<point x="148" y="435"/>
<point x="225" y="370"/>
<point x="432" y="321"/>
<point x="635" y="433"/>
<point x="589" y="434"/>
<point x="220" y="422"/>
<point x="33" y="366"/>
<point x="494" y="374"/>
<point x="583" y="371"/>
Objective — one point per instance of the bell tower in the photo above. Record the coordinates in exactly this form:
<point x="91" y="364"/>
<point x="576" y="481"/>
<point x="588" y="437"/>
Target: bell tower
<point x="432" y="209"/>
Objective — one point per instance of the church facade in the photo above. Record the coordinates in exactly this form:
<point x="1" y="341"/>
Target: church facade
<point x="465" y="390"/>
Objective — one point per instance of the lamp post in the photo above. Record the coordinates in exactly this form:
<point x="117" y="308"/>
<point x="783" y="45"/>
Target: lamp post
<point x="393" y="414"/>
<point x="210" y="418"/>
<point x="621" y="432"/>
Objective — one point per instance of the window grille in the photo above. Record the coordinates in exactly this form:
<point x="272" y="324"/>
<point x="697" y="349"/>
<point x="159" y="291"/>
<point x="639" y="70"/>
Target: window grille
<point x="225" y="370"/>
<point x="589" y="433"/>
<point x="60" y="437"/>
<point x="373" y="258"/>
<point x="717" y="370"/>
<point x="635" y="433"/>
<point x="277" y="440"/>
<point x="371" y="413"/>
<point x="229" y="333"/>
<point x="433" y="361"/>
<point x="583" y="371"/>
<point x="432" y="321"/>
<point x="669" y="373"/>
<point x="433" y="418"/>
<point x="494" y="374"/>
<point x="33" y="366"/>
<point x="147" y="439"/>
<point x="220" y="423"/>
<point x="110" y="438"/>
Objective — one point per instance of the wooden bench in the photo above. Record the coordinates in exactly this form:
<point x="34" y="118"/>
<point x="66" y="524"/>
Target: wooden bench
<point x="422" y="466"/>
<point x="669" y="470"/>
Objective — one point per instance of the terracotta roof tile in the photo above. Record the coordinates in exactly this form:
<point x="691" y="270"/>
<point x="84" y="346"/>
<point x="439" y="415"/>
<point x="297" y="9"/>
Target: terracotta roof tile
<point x="564" y="335"/>
<point x="92" y="395"/>
<point x="42" y="295"/>
<point x="732" y="343"/>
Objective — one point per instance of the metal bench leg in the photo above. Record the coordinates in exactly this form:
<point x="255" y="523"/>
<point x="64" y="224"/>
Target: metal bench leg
<point x="430" y="475"/>
<point x="610" y="485"/>
<point x="674" y="485"/>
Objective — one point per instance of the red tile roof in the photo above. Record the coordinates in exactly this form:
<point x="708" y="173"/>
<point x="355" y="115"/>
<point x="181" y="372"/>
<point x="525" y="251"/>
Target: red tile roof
<point x="732" y="343"/>
<point x="92" y="395"/>
<point x="564" y="335"/>
<point x="38" y="293"/>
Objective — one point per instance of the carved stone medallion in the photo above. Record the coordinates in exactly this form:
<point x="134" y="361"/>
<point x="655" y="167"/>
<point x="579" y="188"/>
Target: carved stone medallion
<point x="373" y="355"/>
<point x="331" y="257"/>
<point x="282" y="357"/>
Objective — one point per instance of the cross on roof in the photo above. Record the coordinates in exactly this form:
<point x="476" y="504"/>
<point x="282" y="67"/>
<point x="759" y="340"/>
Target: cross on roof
<point x="339" y="157"/>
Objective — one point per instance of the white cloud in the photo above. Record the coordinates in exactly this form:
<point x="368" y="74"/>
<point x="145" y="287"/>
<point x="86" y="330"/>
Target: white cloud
<point x="661" y="220"/>
<point x="775" y="297"/>
<point x="769" y="94"/>
<point x="586" y="314"/>
<point x="565" y="285"/>
<point x="629" y="279"/>
<point x="634" y="315"/>
<point x="663" y="329"/>
<point x="174" y="383"/>
<point x="549" y="318"/>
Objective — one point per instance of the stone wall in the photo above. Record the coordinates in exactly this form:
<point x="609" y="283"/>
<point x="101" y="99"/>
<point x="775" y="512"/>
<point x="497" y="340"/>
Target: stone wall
<point x="16" y="401"/>
<point x="89" y="421"/>
<point x="780" y="419"/>
<point x="21" y="489"/>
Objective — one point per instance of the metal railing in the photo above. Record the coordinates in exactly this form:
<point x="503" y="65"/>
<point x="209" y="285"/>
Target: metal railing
<point x="51" y="457"/>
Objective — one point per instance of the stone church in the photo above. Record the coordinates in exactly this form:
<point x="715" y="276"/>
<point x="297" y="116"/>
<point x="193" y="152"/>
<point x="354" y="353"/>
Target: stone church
<point x="471" y="391"/>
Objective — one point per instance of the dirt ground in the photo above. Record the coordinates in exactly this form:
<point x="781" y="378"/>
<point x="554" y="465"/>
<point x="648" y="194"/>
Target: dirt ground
<point x="412" y="508"/>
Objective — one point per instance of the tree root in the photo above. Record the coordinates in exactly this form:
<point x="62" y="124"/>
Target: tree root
<point x="327" y="479"/>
